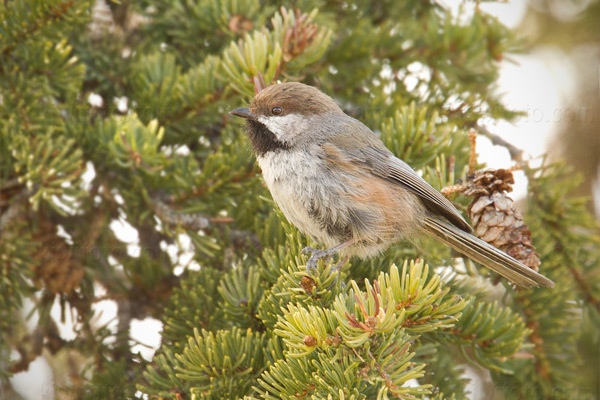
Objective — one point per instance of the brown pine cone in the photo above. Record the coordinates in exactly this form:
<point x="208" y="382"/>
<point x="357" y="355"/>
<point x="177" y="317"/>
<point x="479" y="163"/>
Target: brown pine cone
<point x="56" y="269"/>
<point x="494" y="217"/>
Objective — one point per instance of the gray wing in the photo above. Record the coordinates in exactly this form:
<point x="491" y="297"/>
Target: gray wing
<point x="387" y="166"/>
<point x="368" y="150"/>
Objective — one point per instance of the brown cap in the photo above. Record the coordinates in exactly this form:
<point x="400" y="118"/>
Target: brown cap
<point x="293" y="98"/>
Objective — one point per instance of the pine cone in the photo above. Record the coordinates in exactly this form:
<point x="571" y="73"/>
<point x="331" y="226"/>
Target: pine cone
<point x="56" y="268"/>
<point x="494" y="218"/>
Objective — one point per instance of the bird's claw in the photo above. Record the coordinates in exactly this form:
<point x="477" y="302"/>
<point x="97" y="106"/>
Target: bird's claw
<point x="316" y="255"/>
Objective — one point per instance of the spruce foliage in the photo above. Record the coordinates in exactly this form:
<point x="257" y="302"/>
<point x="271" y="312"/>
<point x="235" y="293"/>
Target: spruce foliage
<point x="242" y="319"/>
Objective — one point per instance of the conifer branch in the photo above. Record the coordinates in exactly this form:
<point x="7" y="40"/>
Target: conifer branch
<point x="585" y="287"/>
<point x="55" y="12"/>
<point x="242" y="317"/>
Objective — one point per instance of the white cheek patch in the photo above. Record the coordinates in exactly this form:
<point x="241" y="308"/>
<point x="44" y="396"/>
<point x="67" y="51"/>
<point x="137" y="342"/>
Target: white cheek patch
<point x="286" y="127"/>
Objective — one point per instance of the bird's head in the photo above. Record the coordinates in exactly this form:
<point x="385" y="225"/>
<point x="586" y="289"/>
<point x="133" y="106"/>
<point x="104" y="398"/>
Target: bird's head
<point x="286" y="115"/>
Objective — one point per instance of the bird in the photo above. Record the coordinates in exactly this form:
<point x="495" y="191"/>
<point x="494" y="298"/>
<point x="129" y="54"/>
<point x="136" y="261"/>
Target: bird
<point x="334" y="179"/>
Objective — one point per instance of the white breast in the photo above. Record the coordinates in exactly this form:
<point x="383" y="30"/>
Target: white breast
<point x="293" y="178"/>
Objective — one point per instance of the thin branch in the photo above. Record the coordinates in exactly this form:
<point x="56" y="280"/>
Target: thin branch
<point x="188" y="221"/>
<point x="197" y="222"/>
<point x="515" y="153"/>
<point x="473" y="157"/>
<point x="536" y="338"/>
<point x="382" y="373"/>
<point x="14" y="210"/>
<point x="11" y="184"/>
<point x="585" y="288"/>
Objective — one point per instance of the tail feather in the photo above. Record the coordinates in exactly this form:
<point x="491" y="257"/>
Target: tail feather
<point x="486" y="254"/>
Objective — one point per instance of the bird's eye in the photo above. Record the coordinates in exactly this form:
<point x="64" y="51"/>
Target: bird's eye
<point x="277" y="110"/>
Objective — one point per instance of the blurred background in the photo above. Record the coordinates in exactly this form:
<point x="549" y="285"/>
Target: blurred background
<point x="555" y="81"/>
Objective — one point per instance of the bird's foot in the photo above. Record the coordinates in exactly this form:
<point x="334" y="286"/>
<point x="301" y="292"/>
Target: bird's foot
<point x="317" y="255"/>
<point x="338" y="268"/>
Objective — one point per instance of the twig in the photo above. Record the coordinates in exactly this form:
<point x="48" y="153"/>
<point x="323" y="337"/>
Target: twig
<point x="541" y="358"/>
<point x="585" y="288"/>
<point x="10" y="184"/>
<point x="189" y="221"/>
<point x="14" y="210"/>
<point x="515" y="153"/>
<point x="473" y="157"/>
<point x="383" y="373"/>
<point x="125" y="315"/>
<point x="452" y="189"/>
<point x="196" y="222"/>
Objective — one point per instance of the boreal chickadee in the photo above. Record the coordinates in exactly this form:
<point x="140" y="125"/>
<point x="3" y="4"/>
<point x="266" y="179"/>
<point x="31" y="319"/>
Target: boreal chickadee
<point x="336" y="181"/>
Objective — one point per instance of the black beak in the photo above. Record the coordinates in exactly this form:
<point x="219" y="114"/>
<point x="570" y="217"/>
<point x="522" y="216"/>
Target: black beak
<point x="243" y="112"/>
